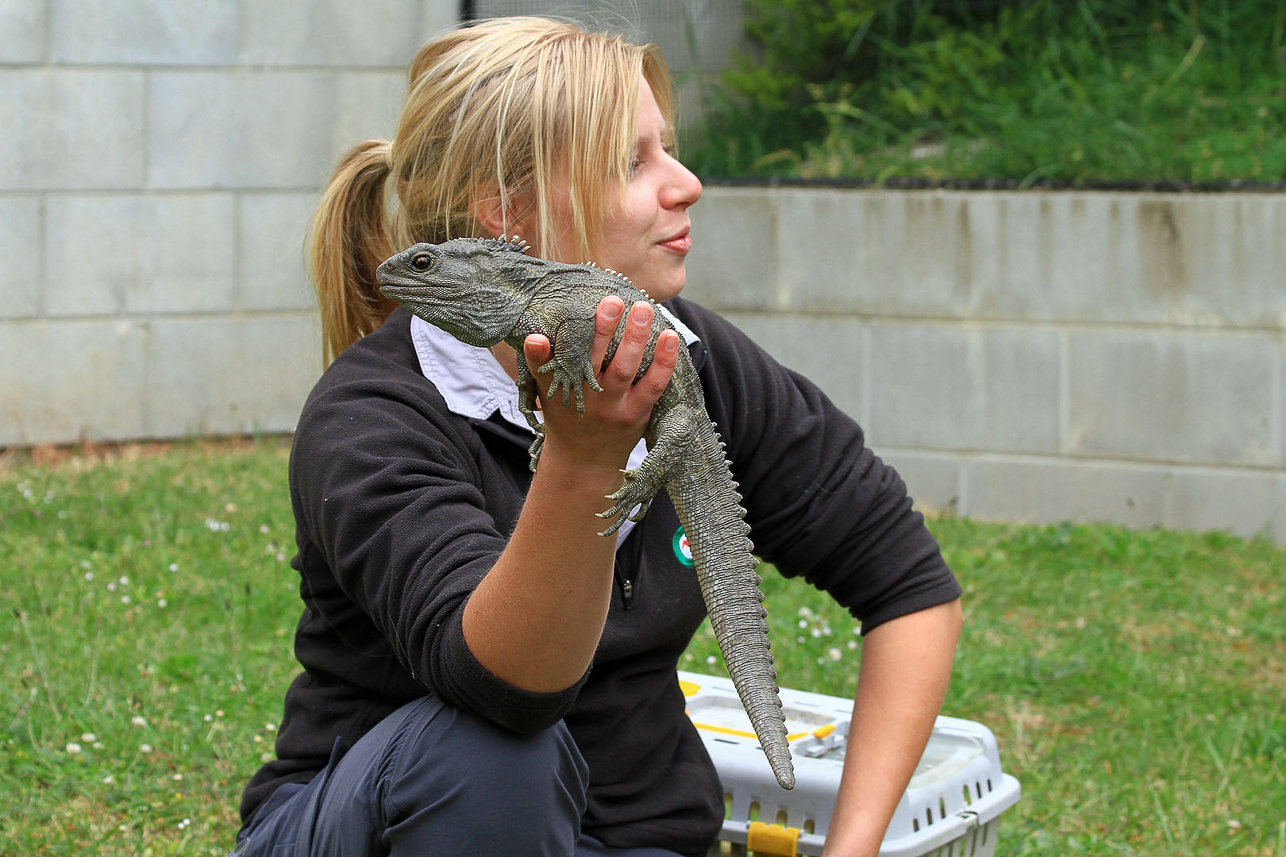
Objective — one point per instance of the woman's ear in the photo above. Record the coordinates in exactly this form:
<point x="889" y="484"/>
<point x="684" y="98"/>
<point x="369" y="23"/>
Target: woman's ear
<point x="499" y="216"/>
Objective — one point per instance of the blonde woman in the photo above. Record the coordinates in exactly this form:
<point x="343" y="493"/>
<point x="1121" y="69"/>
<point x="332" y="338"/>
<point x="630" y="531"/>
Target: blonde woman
<point x="482" y="673"/>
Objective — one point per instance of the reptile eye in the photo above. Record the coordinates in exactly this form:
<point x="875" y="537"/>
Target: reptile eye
<point x="422" y="262"/>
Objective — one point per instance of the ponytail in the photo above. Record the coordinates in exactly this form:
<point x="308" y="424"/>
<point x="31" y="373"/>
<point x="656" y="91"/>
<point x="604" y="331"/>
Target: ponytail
<point x="349" y="238"/>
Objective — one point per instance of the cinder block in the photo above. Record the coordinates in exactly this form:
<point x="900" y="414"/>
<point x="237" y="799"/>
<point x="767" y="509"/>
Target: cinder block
<point x="963" y="387"/>
<point x="1279" y="426"/>
<point x="733" y="264"/>
<point x="22" y="30"/>
<point x="64" y="381"/>
<point x="877" y="252"/>
<point x="278" y="130"/>
<point x="152" y="254"/>
<point x="71" y="129"/>
<point x="110" y="227"/>
<point x="925" y="383"/>
<point x="827" y="351"/>
<point x="1185" y="398"/>
<point x="230" y="375"/>
<point x="1022" y="390"/>
<point x="144" y="32"/>
<point x="272" y="270"/>
<point x="1234" y="249"/>
<point x="1056" y="256"/>
<point x="375" y="33"/>
<point x="1048" y="490"/>
<point x="1245" y="502"/>
<point x="21" y="261"/>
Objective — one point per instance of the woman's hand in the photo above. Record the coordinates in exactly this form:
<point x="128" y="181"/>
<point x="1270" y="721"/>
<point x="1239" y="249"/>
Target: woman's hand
<point x="535" y="619"/>
<point x="616" y="417"/>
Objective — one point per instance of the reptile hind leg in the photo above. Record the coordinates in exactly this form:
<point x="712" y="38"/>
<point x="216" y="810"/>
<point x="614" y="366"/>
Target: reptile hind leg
<point x="641" y="485"/>
<point x="672" y="436"/>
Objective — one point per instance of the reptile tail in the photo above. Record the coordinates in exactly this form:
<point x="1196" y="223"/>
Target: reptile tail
<point x="725" y="566"/>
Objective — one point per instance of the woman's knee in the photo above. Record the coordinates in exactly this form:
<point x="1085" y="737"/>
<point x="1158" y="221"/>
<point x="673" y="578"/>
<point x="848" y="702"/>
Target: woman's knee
<point x="468" y="771"/>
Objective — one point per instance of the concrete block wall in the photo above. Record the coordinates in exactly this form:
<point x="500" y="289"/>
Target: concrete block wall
<point x="1037" y="356"/>
<point x="158" y="165"/>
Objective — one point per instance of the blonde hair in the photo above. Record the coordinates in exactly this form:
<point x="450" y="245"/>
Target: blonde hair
<point x="504" y="112"/>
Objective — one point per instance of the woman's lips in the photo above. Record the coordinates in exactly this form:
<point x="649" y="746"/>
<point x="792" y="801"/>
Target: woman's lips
<point x="680" y="243"/>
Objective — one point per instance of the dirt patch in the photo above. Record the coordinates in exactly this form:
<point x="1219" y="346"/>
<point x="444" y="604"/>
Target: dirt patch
<point x="94" y="453"/>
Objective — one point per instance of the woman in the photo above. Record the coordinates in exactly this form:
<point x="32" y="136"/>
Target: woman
<point x="483" y="673"/>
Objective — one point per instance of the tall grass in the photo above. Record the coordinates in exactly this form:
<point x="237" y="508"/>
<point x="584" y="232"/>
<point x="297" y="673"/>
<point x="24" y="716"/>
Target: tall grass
<point x="1035" y="91"/>
<point x="1135" y="680"/>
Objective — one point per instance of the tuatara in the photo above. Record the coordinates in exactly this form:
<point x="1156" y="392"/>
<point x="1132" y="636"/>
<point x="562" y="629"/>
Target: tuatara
<point x="483" y="291"/>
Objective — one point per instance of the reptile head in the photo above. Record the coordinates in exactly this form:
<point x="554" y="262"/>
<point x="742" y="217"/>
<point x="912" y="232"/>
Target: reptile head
<point x="472" y="288"/>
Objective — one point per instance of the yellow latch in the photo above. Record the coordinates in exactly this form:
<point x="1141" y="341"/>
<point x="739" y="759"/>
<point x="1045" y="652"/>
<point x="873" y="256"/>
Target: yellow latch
<point x="824" y="731"/>
<point x="772" y="840"/>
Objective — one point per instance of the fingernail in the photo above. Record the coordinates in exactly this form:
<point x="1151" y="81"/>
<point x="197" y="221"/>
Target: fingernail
<point x="611" y="310"/>
<point x="641" y="314"/>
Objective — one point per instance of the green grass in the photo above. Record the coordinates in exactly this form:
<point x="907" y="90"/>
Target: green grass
<point x="1082" y="93"/>
<point x="1135" y="680"/>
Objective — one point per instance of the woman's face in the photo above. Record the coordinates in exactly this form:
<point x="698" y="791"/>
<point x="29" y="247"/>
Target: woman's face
<point x="647" y="239"/>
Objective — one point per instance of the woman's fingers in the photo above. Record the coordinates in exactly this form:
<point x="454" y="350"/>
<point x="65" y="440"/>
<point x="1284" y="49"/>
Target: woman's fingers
<point x="606" y="320"/>
<point x="664" y="358"/>
<point x="624" y="368"/>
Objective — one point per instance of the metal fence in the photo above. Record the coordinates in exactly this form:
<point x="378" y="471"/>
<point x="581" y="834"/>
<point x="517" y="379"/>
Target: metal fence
<point x="700" y="36"/>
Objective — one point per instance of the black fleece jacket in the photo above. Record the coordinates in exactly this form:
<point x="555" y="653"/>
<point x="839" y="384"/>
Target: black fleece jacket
<point x="401" y="507"/>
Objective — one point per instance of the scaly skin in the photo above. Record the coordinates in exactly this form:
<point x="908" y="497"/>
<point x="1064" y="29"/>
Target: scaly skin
<point x="485" y="291"/>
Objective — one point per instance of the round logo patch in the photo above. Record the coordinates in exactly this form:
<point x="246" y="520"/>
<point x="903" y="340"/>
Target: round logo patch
<point x="682" y="550"/>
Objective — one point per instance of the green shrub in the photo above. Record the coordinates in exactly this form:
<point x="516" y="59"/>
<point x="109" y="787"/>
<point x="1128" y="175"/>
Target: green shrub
<point x="1075" y="92"/>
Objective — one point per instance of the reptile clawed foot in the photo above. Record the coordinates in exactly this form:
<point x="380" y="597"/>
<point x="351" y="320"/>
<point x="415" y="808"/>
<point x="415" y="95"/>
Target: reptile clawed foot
<point x="638" y="490"/>
<point x="573" y="382"/>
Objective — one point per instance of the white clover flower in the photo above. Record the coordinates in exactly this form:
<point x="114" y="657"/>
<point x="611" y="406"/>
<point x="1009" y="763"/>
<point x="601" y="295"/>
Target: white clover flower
<point x="88" y="737"/>
<point x="138" y="720"/>
<point x="73" y="747"/>
<point x="174" y="566"/>
<point x="145" y="748"/>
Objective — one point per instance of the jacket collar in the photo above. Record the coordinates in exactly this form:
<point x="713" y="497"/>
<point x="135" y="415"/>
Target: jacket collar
<point x="472" y="381"/>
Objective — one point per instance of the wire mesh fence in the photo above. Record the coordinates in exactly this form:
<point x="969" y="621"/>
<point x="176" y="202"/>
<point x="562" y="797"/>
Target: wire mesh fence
<point x="698" y="36"/>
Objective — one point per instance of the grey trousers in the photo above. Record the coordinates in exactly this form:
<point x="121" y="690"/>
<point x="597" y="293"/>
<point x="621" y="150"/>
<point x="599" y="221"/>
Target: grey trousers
<point x="432" y="780"/>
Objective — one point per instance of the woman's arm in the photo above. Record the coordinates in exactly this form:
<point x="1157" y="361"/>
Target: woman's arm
<point x="905" y="669"/>
<point x="535" y="619"/>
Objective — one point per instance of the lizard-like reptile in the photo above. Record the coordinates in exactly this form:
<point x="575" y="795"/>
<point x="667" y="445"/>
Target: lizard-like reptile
<point x="484" y="291"/>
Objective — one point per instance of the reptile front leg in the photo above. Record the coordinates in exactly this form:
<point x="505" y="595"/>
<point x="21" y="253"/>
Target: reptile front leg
<point x="570" y="363"/>
<point x="527" y="407"/>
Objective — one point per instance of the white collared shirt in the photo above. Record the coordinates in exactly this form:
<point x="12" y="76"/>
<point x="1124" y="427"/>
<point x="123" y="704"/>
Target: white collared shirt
<point x="474" y="384"/>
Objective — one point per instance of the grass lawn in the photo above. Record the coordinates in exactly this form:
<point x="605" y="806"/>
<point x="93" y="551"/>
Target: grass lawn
<point x="1136" y="681"/>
